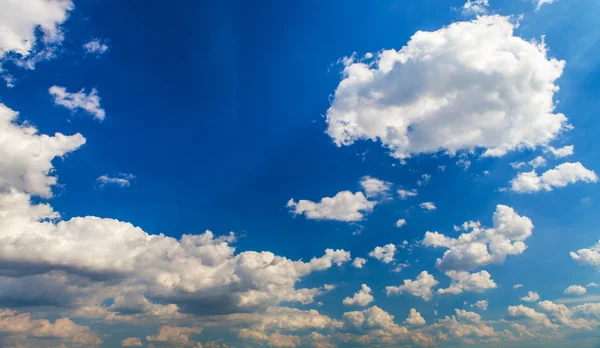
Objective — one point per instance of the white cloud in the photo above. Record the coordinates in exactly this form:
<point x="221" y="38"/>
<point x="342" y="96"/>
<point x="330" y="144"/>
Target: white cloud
<point x="483" y="246"/>
<point x="421" y="287"/>
<point x="121" y="179"/>
<point x="530" y="297"/>
<point x="279" y="340"/>
<point x="592" y="285"/>
<point x="359" y="262"/>
<point x="174" y="335"/>
<point x="588" y="256"/>
<point x="475" y="7"/>
<point x="466" y="86"/>
<point x="374" y="187"/>
<point x="540" y="3"/>
<point x="415" y="318"/>
<point x="13" y="323"/>
<point x="384" y="254"/>
<point x="575" y="290"/>
<point x="521" y="311"/>
<point x="344" y="206"/>
<point x="96" y="46"/>
<point x="428" y="206"/>
<point x="482" y="305"/>
<point x="468" y="282"/>
<point x="561" y="152"/>
<point x="516" y="286"/>
<point x="562" y="175"/>
<point x="424" y="180"/>
<point x="79" y="100"/>
<point x="404" y="194"/>
<point x="400" y="222"/>
<point x="26" y="156"/>
<point x="362" y="298"/>
<point x="463" y="162"/>
<point x="539" y="161"/>
<point x="19" y="21"/>
<point x="131" y="342"/>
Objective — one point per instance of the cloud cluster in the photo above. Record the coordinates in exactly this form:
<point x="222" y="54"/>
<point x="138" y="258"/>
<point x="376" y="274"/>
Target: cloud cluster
<point x="588" y="256"/>
<point x="89" y="102"/>
<point x="420" y="287"/>
<point x="483" y="246"/>
<point x="362" y="298"/>
<point x="467" y="86"/>
<point x="562" y="175"/>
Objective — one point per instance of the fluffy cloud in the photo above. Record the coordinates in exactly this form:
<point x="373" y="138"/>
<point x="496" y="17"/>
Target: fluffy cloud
<point x="420" y="287"/>
<point x="131" y="342"/>
<point x="384" y="254"/>
<point x="26" y="156"/>
<point x="475" y="7"/>
<point x="362" y="298"/>
<point x="483" y="246"/>
<point x="482" y="305"/>
<point x="278" y="340"/>
<point x="561" y="152"/>
<point x="90" y="102"/>
<point x="530" y="297"/>
<point x="400" y="222"/>
<point x="174" y="335"/>
<point x="359" y="262"/>
<point x="521" y="311"/>
<point x="404" y="194"/>
<point x="374" y="187"/>
<point x="21" y="324"/>
<point x="19" y="21"/>
<point x="466" y="86"/>
<point x="121" y="179"/>
<point x="375" y="324"/>
<point x="516" y="286"/>
<point x="95" y="46"/>
<point x="468" y="282"/>
<point x="575" y="290"/>
<point x="344" y="206"/>
<point x="428" y="206"/>
<point x="415" y="318"/>
<point x="588" y="256"/>
<point x="562" y="175"/>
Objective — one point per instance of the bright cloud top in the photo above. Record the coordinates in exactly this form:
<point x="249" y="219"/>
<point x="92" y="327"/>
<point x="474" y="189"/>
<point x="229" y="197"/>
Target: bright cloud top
<point x="469" y="85"/>
<point x="362" y="298"/>
<point x="483" y="246"/>
<point x="420" y="287"/>
<point x="89" y="103"/>
<point x="384" y="254"/>
<point x="562" y="175"/>
<point x="468" y="282"/>
<point x="588" y="256"/>
<point x="344" y="206"/>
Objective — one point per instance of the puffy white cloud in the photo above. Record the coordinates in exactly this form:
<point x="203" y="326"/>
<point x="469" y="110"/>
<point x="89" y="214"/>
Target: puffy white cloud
<point x="359" y="262"/>
<point x="374" y="187"/>
<point x="428" y="206"/>
<point x="562" y="315"/>
<point x="521" y="311"/>
<point x="575" y="290"/>
<point x="468" y="85"/>
<point x="121" y="179"/>
<point x="530" y="297"/>
<point x="420" y="287"/>
<point x="592" y="285"/>
<point x="588" y="256"/>
<point x="468" y="282"/>
<point x="481" y="305"/>
<point x="362" y="298"/>
<point x="375" y="323"/>
<point x="483" y="246"/>
<point x="344" y="206"/>
<point x="404" y="194"/>
<point x="415" y="318"/>
<point x="26" y="156"/>
<point x="90" y="102"/>
<point x="95" y="46"/>
<point x="562" y="175"/>
<point x="475" y="7"/>
<point x="131" y="342"/>
<point x="400" y="222"/>
<point x="13" y="323"/>
<point x="385" y="253"/>
<point x="561" y="152"/>
<point x="19" y="21"/>
<point x="279" y="340"/>
<point x="174" y="335"/>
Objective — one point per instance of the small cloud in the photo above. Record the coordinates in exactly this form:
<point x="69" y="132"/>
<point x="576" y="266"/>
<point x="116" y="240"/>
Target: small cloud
<point x="424" y="179"/>
<point x="404" y="194"/>
<point x="96" y="47"/>
<point x="428" y="206"/>
<point x="400" y="222"/>
<point x="475" y="7"/>
<point x="530" y="297"/>
<point x="121" y="179"/>
<point x="575" y="290"/>
<point x="79" y="100"/>
<point x="516" y="286"/>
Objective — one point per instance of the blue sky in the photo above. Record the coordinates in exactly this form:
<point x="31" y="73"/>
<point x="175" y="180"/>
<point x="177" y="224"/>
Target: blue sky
<point x="285" y="130"/>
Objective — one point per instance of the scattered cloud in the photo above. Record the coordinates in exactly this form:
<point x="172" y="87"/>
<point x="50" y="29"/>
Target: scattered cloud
<point x="424" y="180"/>
<point x="468" y="282"/>
<point x="362" y="298"/>
<point x="530" y="297"/>
<point x="481" y="305"/>
<point x="540" y="3"/>
<point x="384" y="254"/>
<point x="575" y="290"/>
<point x="428" y="206"/>
<point x="516" y="286"/>
<point x="359" y="262"/>
<point x="415" y="318"/>
<point x="121" y="179"/>
<point x="562" y="175"/>
<point x="475" y="7"/>
<point x="560" y="152"/>
<point x="90" y="103"/>
<point x="420" y="287"/>
<point x="374" y="187"/>
<point x="404" y="194"/>
<point x="400" y="222"/>
<point x="131" y="342"/>
<point x="344" y="206"/>
<point x="95" y="46"/>
<point x="588" y="256"/>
